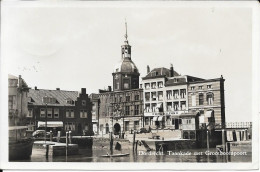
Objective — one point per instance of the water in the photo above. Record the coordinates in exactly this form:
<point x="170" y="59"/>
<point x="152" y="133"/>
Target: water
<point x="86" y="155"/>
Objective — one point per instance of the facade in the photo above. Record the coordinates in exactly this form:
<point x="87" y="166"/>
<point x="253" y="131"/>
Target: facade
<point x="173" y="101"/>
<point x="17" y="107"/>
<point x="63" y="111"/>
<point x="121" y="110"/>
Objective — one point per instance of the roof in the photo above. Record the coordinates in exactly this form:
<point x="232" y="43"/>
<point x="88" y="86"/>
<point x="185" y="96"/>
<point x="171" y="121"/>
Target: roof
<point x="162" y="71"/>
<point x="60" y="95"/>
<point x="126" y="66"/>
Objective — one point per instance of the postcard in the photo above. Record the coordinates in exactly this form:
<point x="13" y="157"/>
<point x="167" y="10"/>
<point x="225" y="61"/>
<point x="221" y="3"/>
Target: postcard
<point x="128" y="85"/>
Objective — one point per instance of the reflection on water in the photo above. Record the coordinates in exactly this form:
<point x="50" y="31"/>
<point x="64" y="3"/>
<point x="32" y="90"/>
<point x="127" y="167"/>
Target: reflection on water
<point x="86" y="155"/>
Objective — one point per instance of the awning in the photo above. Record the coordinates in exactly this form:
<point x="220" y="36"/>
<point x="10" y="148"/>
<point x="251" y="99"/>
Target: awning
<point x="159" y="105"/>
<point x="209" y="114"/>
<point x="155" y="118"/>
<point x="17" y="127"/>
<point x="189" y="114"/>
<point x="160" y="118"/>
<point x="50" y="124"/>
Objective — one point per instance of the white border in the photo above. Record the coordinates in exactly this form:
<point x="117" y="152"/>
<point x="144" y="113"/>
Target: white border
<point x="254" y="5"/>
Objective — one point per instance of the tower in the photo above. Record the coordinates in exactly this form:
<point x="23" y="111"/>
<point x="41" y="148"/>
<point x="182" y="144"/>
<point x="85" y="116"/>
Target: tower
<point x="126" y="74"/>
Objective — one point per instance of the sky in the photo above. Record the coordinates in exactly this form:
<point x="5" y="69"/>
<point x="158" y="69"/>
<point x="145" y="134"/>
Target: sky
<point x="78" y="47"/>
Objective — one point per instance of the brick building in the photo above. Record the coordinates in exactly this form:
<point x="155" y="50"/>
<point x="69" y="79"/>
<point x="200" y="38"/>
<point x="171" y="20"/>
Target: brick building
<point x="66" y="110"/>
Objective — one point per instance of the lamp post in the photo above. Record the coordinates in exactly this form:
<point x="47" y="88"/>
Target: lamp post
<point x="45" y="100"/>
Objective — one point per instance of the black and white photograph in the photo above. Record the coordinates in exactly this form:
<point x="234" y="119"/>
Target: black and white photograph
<point x="153" y="82"/>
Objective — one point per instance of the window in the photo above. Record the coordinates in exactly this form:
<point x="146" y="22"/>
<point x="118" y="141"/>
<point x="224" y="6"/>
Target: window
<point x="147" y="107"/>
<point x="116" y="84"/>
<point x="147" y="96"/>
<point x="69" y="126"/>
<point x="69" y="101"/>
<point x="153" y="96"/>
<point x="160" y="95"/>
<point x="192" y="88"/>
<point x="146" y="121"/>
<point x="183" y="105"/>
<point x="30" y="113"/>
<point x="49" y="100"/>
<point x="208" y="86"/>
<point x="83" y="102"/>
<point x="126" y="83"/>
<point x="175" y="80"/>
<point x="126" y="125"/>
<point x="42" y="113"/>
<point x="169" y="94"/>
<point x="83" y="114"/>
<point x="12" y="102"/>
<point x="160" y="84"/>
<point x="136" y="125"/>
<point x="200" y="87"/>
<point x="154" y="107"/>
<point x="169" y="106"/>
<point x="49" y="113"/>
<point x="153" y="85"/>
<point x="176" y="94"/>
<point x="136" y="97"/>
<point x="120" y="99"/>
<point x="201" y="99"/>
<point x="183" y="93"/>
<point x="56" y="113"/>
<point x="127" y="98"/>
<point x="147" y="86"/>
<point x="193" y="100"/>
<point x="127" y="110"/>
<point x="176" y="106"/>
<point x="115" y="99"/>
<point x="210" y="98"/>
<point x="168" y="120"/>
<point x="69" y="113"/>
<point x="136" y="109"/>
<point x="12" y="82"/>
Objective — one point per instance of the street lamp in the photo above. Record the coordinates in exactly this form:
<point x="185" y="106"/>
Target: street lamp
<point x="45" y="100"/>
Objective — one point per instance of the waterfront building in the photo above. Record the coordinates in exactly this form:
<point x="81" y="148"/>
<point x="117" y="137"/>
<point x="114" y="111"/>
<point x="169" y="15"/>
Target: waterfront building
<point x="121" y="109"/>
<point x="64" y="111"/>
<point x="173" y="101"/>
<point x="17" y="107"/>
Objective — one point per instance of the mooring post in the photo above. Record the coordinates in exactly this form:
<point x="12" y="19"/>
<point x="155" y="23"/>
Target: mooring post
<point x="208" y="139"/>
<point x="67" y="142"/>
<point x="111" y="143"/>
<point x="70" y="137"/>
<point x="58" y="136"/>
<point x="136" y="144"/>
<point x="246" y="134"/>
<point x="51" y="136"/>
<point x="134" y="141"/>
<point x="223" y="140"/>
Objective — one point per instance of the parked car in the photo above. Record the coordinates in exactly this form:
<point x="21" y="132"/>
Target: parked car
<point x="40" y="133"/>
<point x="143" y="130"/>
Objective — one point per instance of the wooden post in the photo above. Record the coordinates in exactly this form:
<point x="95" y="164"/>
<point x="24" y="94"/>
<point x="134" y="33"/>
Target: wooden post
<point x="70" y="137"/>
<point x="111" y="143"/>
<point x="67" y="142"/>
<point x="134" y="141"/>
<point x="223" y="140"/>
<point x="208" y="139"/>
<point x="136" y="144"/>
<point x="51" y="136"/>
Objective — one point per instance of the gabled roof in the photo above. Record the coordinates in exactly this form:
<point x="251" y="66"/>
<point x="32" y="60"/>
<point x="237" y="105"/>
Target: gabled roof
<point x="61" y="96"/>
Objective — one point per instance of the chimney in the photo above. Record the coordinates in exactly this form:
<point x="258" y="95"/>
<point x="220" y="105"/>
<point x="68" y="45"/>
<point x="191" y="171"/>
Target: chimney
<point x="20" y="81"/>
<point x="57" y="88"/>
<point x="35" y="88"/>
<point x="83" y="90"/>
<point x="148" y="69"/>
<point x="171" y="71"/>
<point x="109" y="88"/>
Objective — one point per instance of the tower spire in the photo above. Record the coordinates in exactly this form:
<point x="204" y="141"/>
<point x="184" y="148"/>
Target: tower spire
<point x="126" y="36"/>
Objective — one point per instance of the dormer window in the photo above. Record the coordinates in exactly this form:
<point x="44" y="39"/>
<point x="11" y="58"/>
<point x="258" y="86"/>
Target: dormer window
<point x="69" y="101"/>
<point x="208" y="86"/>
<point x="200" y="87"/>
